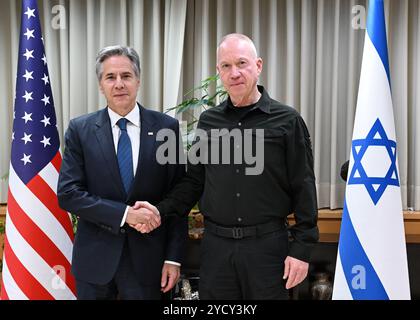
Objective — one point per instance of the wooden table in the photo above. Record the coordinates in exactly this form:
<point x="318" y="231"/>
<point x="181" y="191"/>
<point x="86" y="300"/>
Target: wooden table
<point x="329" y="222"/>
<point x="2" y="213"/>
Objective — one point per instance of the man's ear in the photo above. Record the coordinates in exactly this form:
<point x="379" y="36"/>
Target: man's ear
<point x="259" y="65"/>
<point x="138" y="84"/>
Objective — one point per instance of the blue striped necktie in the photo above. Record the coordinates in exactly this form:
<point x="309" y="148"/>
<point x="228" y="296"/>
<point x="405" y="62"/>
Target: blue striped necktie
<point x="124" y="155"/>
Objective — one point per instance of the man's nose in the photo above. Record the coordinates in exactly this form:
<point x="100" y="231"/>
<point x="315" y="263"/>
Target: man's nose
<point x="119" y="83"/>
<point x="234" y="73"/>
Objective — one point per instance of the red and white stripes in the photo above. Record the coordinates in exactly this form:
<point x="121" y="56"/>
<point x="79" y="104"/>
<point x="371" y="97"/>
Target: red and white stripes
<point x="38" y="241"/>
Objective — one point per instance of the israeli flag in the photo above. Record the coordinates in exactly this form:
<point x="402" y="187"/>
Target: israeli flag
<point x="372" y="257"/>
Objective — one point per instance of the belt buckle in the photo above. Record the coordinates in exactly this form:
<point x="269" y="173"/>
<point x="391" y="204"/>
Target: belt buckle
<point x="238" y="233"/>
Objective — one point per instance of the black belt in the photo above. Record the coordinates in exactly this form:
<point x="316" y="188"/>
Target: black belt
<point x="244" y="232"/>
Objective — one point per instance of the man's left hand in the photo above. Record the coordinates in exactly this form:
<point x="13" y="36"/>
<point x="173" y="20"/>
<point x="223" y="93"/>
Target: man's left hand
<point x="170" y="276"/>
<point x="295" y="271"/>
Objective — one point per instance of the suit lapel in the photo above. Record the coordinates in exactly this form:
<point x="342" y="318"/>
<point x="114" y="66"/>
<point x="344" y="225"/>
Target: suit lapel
<point x="148" y="131"/>
<point x="106" y="144"/>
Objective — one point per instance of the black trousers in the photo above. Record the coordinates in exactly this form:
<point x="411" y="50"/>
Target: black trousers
<point x="123" y="286"/>
<point x="248" y="268"/>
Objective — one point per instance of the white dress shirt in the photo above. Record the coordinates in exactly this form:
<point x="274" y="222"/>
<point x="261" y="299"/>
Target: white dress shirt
<point x="133" y="131"/>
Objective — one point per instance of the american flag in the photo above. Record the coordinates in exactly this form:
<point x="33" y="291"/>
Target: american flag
<point x="39" y="236"/>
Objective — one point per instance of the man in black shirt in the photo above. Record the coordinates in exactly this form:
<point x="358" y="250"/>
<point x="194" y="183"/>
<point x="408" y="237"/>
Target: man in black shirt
<point x="246" y="252"/>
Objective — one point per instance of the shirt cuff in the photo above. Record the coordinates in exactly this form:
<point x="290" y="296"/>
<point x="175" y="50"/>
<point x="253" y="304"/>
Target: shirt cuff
<point x="173" y="262"/>
<point x="124" y="217"/>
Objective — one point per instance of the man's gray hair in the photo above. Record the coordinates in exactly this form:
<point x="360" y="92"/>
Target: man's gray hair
<point x="111" y="51"/>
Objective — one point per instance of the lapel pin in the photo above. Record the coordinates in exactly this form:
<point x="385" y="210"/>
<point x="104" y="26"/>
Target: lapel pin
<point x="150" y="133"/>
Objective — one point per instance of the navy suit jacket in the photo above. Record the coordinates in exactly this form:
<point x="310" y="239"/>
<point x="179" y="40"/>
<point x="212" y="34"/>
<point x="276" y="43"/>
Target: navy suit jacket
<point x="90" y="187"/>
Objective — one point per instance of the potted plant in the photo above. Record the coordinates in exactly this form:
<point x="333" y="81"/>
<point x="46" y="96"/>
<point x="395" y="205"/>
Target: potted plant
<point x="209" y="98"/>
<point x="211" y="95"/>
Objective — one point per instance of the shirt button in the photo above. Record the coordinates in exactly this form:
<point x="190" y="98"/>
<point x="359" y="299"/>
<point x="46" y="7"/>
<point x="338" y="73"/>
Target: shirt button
<point x="238" y="195"/>
<point x="239" y="219"/>
<point x="237" y="170"/>
<point x="122" y="230"/>
<point x="239" y="124"/>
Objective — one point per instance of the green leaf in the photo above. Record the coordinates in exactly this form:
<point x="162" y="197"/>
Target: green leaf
<point x="74" y="220"/>
<point x="193" y="105"/>
<point x="207" y="100"/>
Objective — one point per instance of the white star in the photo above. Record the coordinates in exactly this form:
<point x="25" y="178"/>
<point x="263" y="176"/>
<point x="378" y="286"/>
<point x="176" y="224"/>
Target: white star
<point x="45" y="79"/>
<point x="28" y="75"/>
<point x="46" y="100"/>
<point x="27" y="117"/>
<point x="45" y="141"/>
<point x="28" y="54"/>
<point x="26" y="138"/>
<point x="26" y="159"/>
<point x="29" y="34"/>
<point x="14" y="114"/>
<point x="28" y="96"/>
<point x="46" y="121"/>
<point x="13" y="135"/>
<point x="42" y="38"/>
<point x="44" y="58"/>
<point x="30" y="12"/>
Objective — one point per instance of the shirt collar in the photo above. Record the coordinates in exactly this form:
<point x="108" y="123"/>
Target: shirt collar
<point x="263" y="104"/>
<point x="133" y="116"/>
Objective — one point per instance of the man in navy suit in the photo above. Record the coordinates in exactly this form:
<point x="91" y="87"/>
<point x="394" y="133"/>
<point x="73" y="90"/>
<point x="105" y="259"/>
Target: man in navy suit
<point x="110" y="164"/>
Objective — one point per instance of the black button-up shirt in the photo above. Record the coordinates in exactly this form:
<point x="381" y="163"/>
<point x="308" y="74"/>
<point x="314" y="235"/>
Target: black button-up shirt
<point x="241" y="192"/>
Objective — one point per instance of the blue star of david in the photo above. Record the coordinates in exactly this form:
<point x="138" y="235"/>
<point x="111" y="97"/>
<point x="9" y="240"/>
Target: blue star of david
<point x="391" y="177"/>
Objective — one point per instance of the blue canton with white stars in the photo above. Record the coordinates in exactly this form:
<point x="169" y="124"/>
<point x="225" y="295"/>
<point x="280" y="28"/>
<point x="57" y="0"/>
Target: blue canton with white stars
<point x="35" y="139"/>
<point x="358" y="174"/>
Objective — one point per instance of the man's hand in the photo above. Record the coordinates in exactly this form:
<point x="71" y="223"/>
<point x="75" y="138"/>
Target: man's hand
<point x="147" y="205"/>
<point x="170" y="276"/>
<point x="142" y="214"/>
<point x="151" y="211"/>
<point x="295" y="271"/>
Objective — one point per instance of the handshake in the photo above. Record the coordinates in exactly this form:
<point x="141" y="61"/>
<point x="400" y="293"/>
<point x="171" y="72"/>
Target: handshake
<point x="143" y="216"/>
